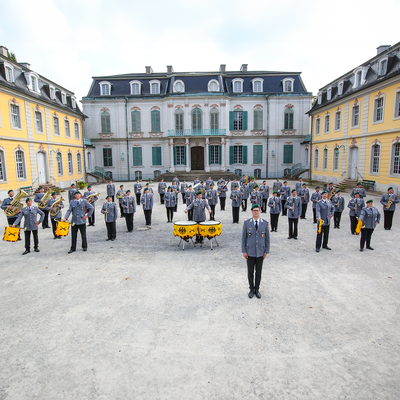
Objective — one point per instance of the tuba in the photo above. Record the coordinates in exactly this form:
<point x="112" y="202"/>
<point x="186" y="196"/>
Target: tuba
<point x="121" y="195"/>
<point x="16" y="204"/>
<point x="90" y="198"/>
<point x="56" y="207"/>
<point x="43" y="202"/>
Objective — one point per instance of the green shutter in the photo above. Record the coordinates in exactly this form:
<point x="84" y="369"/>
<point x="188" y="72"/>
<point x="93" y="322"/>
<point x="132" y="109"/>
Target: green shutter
<point x="156" y="155"/>
<point x="288" y="154"/>
<point x="231" y="119"/>
<point x="209" y="155"/>
<point x="257" y="154"/>
<point x="244" y="120"/>
<point x="135" y="116"/>
<point x="219" y="154"/>
<point x="137" y="156"/>
<point x="174" y="155"/>
<point x="155" y="121"/>
<point x="184" y="155"/>
<point x="245" y="152"/>
<point x="231" y="155"/>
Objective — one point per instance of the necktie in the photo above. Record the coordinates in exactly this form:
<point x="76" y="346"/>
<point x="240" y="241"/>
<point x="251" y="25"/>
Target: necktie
<point x="256" y="225"/>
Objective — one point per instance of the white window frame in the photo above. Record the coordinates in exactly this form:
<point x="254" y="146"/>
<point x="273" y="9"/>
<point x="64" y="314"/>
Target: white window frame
<point x="338" y="114"/>
<point x="180" y="155"/>
<point x="175" y="90"/>
<point x="179" y="119"/>
<point x="392" y="159"/>
<point x="155" y="83"/>
<point x="316" y="159"/>
<point x="372" y="157"/>
<point x="359" y="76"/>
<point x="253" y="84"/>
<point x="79" y="162"/>
<point x="3" y="167"/>
<point x="35" y="114"/>
<point x="319" y="95"/>
<point x="70" y="160"/>
<point x="375" y="110"/>
<point x="329" y="93"/>
<point x="103" y="85"/>
<point x="19" y="128"/>
<point x="67" y="132"/>
<point x="58" y="126"/>
<point x="63" y="98"/>
<point x="383" y="71"/>
<point x="31" y="86"/>
<point x="59" y="163"/>
<point x="352" y="125"/>
<point x="10" y="68"/>
<point x="317" y="126"/>
<point x="335" y="159"/>
<point x="134" y="83"/>
<point x="214" y="111"/>
<point x="396" y="110"/>
<point x="214" y="153"/>
<point x="52" y="92"/>
<point x="239" y="82"/>
<point x="73" y="101"/>
<point x="238" y="154"/>
<point x="340" y="88"/>
<point x="325" y="159"/>
<point x="24" y="178"/>
<point x="210" y="83"/>
<point x="287" y="80"/>
<point x="76" y="130"/>
<point x="327" y="126"/>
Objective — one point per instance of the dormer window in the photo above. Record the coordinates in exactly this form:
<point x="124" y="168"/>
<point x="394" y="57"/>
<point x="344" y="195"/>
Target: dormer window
<point x="9" y="73"/>
<point x="329" y="93"/>
<point x="32" y="81"/>
<point x="179" y="87"/>
<point x="136" y="87"/>
<point x="358" y="79"/>
<point x="213" y="86"/>
<point x="319" y="97"/>
<point x="237" y="85"/>
<point x="359" y="76"/>
<point x="73" y="101"/>
<point x="105" y="88"/>
<point x="383" y="66"/>
<point x="340" y="88"/>
<point x="288" y="84"/>
<point x="257" y="85"/>
<point x="63" y="98"/>
<point x="52" y="93"/>
<point x="154" y="87"/>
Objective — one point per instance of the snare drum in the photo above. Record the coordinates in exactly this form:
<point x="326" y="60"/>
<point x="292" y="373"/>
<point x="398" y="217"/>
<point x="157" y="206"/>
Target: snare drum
<point x="210" y="229"/>
<point x="185" y="229"/>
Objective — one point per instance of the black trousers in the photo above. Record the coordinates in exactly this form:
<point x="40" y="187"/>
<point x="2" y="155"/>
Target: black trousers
<point x="235" y="214"/>
<point x="274" y="221"/>
<point x="254" y="263"/>
<point x="336" y="218"/>
<point x="222" y="203"/>
<point x="147" y="216"/>
<point x="121" y="210"/>
<point x="129" y="222"/>
<point x="264" y="206"/>
<point x="244" y="204"/>
<point x="183" y="198"/>
<point x="170" y="213"/>
<point x="387" y="219"/>
<point x="11" y="220"/>
<point x="353" y="224"/>
<point x="74" y="235"/>
<point x="162" y="198"/>
<point x="314" y="211"/>
<point x="366" y="237"/>
<point x="190" y="215"/>
<point x="54" y="226"/>
<point x="45" y="222"/>
<point x="28" y="239"/>
<point x="293" y="222"/>
<point x="212" y="215"/>
<point x="284" y="210"/>
<point x="111" y="230"/>
<point x="324" y="233"/>
<point x="138" y="195"/>
<point x="113" y="199"/>
<point x="91" y="219"/>
<point x="303" y="210"/>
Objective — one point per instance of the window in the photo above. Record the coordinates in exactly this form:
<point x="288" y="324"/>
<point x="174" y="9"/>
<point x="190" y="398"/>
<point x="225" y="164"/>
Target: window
<point x="289" y="117"/>
<point x="258" y="119"/>
<point x="257" y="173"/>
<point x="63" y="98"/>
<point x="73" y="102"/>
<point x="70" y="164"/>
<point x="317" y="126"/>
<point x="2" y="166"/>
<point x="79" y="162"/>
<point x="238" y="120"/>
<point x="327" y="123"/>
<point x="156" y="156"/>
<point x="155" y="121"/>
<point x="355" y="118"/>
<point x="34" y="84"/>
<point x="288" y="84"/>
<point x="383" y="67"/>
<point x="137" y="160"/>
<point x="179" y="155"/>
<point x="179" y="120"/>
<point x="257" y="154"/>
<point x="319" y="96"/>
<point x="288" y="154"/>
<point x="237" y="85"/>
<point x="238" y="172"/>
<point x="157" y="173"/>
<point x="238" y="154"/>
<point x="329" y="93"/>
<point x="20" y="164"/>
<point x="179" y="87"/>
<point x="9" y="74"/>
<point x="325" y="159"/>
<point x="359" y="77"/>
<point x="138" y="175"/>
<point x="378" y="110"/>
<point x="38" y="122"/>
<point x="15" y="116"/>
<point x="59" y="160"/>
<point x="56" y="126"/>
<point x="213" y="86"/>
<point x="67" y="129"/>
<point x="136" y="121"/>
<point x="197" y="119"/>
<point x="397" y="106"/>
<point x="375" y="158"/>
<point x="154" y="87"/>
<point x="316" y="158"/>
<point x="105" y="122"/>
<point x="335" y="165"/>
<point x="214" y="119"/>
<point x="257" y="85"/>
<point x="396" y="159"/>
<point x="214" y="154"/>
<point x="52" y="93"/>
<point x="107" y="157"/>
<point x="135" y="87"/>
<point x="340" y="88"/>
<point x="338" y="122"/>
<point x="76" y="130"/>
<point x="105" y="88"/>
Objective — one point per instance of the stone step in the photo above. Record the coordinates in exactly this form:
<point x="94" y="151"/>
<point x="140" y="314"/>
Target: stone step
<point x="191" y="176"/>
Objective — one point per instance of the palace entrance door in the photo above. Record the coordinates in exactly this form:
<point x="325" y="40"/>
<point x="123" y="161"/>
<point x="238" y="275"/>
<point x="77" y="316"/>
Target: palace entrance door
<point x="197" y="158"/>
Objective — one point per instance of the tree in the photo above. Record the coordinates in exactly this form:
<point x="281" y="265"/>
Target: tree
<point x="11" y="56"/>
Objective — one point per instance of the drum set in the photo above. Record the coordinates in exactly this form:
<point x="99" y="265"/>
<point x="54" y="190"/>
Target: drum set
<point x="188" y="229"/>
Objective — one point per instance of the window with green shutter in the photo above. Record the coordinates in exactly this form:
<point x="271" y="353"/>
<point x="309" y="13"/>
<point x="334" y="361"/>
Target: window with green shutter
<point x="156" y="155"/>
<point x="155" y="121"/>
<point x="257" y="154"/>
<point x="288" y="154"/>
<point x="107" y="157"/>
<point x="137" y="156"/>
<point x="258" y="119"/>
<point x="237" y="154"/>
<point x="135" y="117"/>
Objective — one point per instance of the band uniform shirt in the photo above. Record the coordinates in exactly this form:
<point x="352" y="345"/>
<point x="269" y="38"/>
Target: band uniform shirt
<point x="199" y="206"/>
<point x="264" y="189"/>
<point x="161" y="187"/>
<point x="324" y="211"/>
<point x="315" y="198"/>
<point x="129" y="202"/>
<point x="190" y="195"/>
<point x="236" y="197"/>
<point x="147" y="201"/>
<point x="78" y="210"/>
<point x="212" y="197"/>
<point x="30" y="217"/>
<point x="110" y="189"/>
<point x="360" y="191"/>
<point x="255" y="242"/>
<point x="278" y="205"/>
<point x="60" y="205"/>
<point x="296" y="203"/>
<point x="356" y="206"/>
<point x="338" y="203"/>
<point x="385" y="199"/>
<point x="370" y="216"/>
<point x="112" y="211"/>
<point x="222" y="191"/>
<point x="285" y="192"/>
<point x="137" y="188"/>
<point x="169" y="199"/>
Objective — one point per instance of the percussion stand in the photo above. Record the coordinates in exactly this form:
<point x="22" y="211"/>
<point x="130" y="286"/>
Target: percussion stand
<point x="183" y="243"/>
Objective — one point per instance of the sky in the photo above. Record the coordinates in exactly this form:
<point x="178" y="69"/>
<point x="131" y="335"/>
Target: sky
<point x="71" y="41"/>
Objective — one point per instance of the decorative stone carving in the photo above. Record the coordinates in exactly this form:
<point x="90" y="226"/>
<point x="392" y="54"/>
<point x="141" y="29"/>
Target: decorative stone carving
<point x="106" y="135"/>
<point x="214" y="106"/>
<point x="41" y="148"/>
<point x="136" y="135"/>
<point x="154" y="108"/>
<point x="178" y="106"/>
<point x="353" y="142"/>
<point x="104" y="109"/>
<point x="238" y="133"/>
<point x="289" y="106"/>
<point x="19" y="147"/>
<point x="196" y="106"/>
<point x="258" y="133"/>
<point x="155" y="134"/>
<point x="238" y="107"/>
<point x="223" y="104"/>
<point x="135" y="109"/>
<point x="37" y="107"/>
<point x="13" y="100"/>
<point x="355" y="102"/>
<point x="286" y="132"/>
<point x="258" y="106"/>
<point x="170" y="105"/>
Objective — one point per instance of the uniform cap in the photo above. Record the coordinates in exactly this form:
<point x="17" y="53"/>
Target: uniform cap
<point x="316" y="187"/>
<point x="390" y="188"/>
<point x="77" y="192"/>
<point x="275" y="191"/>
<point x="255" y="206"/>
<point x="255" y="185"/>
<point x="331" y="183"/>
<point x="27" y="199"/>
<point x="145" y="189"/>
<point x="109" y="195"/>
<point x="324" y="191"/>
<point x="40" y="187"/>
<point x="73" y="184"/>
<point x="121" y="185"/>
<point x="201" y="181"/>
<point x="54" y="193"/>
<point x="128" y="191"/>
<point x="13" y="190"/>
<point x="369" y="201"/>
<point x="236" y="185"/>
<point x="303" y="184"/>
<point x="293" y="190"/>
<point x="190" y="186"/>
<point x="169" y="187"/>
<point x="284" y="181"/>
<point x="359" y="183"/>
<point x="356" y="192"/>
<point x="337" y="191"/>
<point x="199" y="192"/>
<point x="89" y="186"/>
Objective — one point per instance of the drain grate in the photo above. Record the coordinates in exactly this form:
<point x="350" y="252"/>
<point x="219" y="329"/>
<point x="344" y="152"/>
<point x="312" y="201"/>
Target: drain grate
<point x="143" y="229"/>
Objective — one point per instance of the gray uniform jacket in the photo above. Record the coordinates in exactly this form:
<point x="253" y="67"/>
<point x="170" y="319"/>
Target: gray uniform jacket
<point x="236" y="197"/>
<point x="150" y="190"/>
<point x="199" y="214"/>
<point x="296" y="203"/>
<point x="176" y="187"/>
<point x="30" y="217"/>
<point x="78" y="209"/>
<point x="277" y="186"/>
<point x="251" y="186"/>
<point x="304" y="194"/>
<point x="95" y="198"/>
<point x="196" y="181"/>
<point x="324" y="211"/>
<point x="38" y="197"/>
<point x="137" y="188"/>
<point x="169" y="199"/>
<point x="256" y="197"/>
<point x="147" y="201"/>
<point x="278" y="205"/>
<point x="208" y="183"/>
<point x="60" y="204"/>
<point x="111" y="190"/>
<point x="245" y="191"/>
<point x="129" y="202"/>
<point x="356" y="206"/>
<point x="222" y="192"/>
<point x="315" y="198"/>
<point x="338" y="203"/>
<point x="5" y="203"/>
<point x="298" y="186"/>
<point x="161" y="187"/>
<point x="184" y="187"/>
<point x="118" y="194"/>
<point x="370" y="216"/>
<point x="255" y="242"/>
<point x="112" y="211"/>
<point x="242" y="181"/>
<point x="190" y="195"/>
<point x="285" y="192"/>
<point x="212" y="197"/>
<point x="233" y="183"/>
<point x="71" y="194"/>
<point x="385" y="199"/>
<point x="361" y="191"/>
<point x="264" y="189"/>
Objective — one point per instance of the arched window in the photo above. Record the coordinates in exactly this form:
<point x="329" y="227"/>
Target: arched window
<point x="154" y="87"/>
<point x="20" y="164"/>
<point x="335" y="165"/>
<point x="237" y="85"/>
<point x="9" y="73"/>
<point x="375" y="158"/>
<point x="105" y="122"/>
<point x="257" y="173"/>
<point x="395" y="159"/>
<point x="179" y="125"/>
<point x="70" y="164"/>
<point x="288" y="85"/>
<point x="136" y="87"/>
<point x="105" y="88"/>
<point x="3" y="175"/>
<point x="258" y="116"/>
<point x="60" y="170"/>
<point x="197" y="119"/>
<point x="214" y="119"/>
<point x="316" y="158"/>
<point x="79" y="162"/>
<point x="138" y="175"/>
<point x="213" y="86"/>
<point x="157" y="173"/>
<point x="155" y="121"/>
<point x="257" y="85"/>
<point x="325" y="159"/>
<point x="289" y="118"/>
<point x="136" y="122"/>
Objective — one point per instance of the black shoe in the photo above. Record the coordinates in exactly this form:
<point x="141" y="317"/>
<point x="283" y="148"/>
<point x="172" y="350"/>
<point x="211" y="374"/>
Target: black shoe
<point x="317" y="250"/>
<point x="369" y="248"/>
<point x="361" y="249"/>
<point x="37" y="250"/>
<point x="112" y="240"/>
<point x="289" y="237"/>
<point x="295" y="238"/>
<point x="26" y="252"/>
<point x="107" y="239"/>
<point x="84" y="249"/>
<point x="272" y="230"/>
<point x="258" y="294"/>
<point x="71" y="251"/>
<point x="251" y="293"/>
<point x="327" y="248"/>
<point x="55" y="237"/>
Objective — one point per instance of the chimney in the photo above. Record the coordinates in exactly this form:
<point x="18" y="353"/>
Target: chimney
<point x="170" y="69"/>
<point x="3" y="51"/>
<point x="222" y="68"/>
<point x="243" y="68"/>
<point x="381" y="49"/>
<point x="26" y="65"/>
<point x="149" y="70"/>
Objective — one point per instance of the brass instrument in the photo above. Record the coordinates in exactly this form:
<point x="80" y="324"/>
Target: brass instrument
<point x="121" y="195"/>
<point x="203" y="191"/>
<point x="390" y="201"/>
<point x="56" y="207"/>
<point x="43" y="202"/>
<point x="331" y="193"/>
<point x="90" y="198"/>
<point x="16" y="204"/>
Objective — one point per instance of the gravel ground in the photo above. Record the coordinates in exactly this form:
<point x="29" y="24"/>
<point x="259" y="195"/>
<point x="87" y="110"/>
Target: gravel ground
<point x="139" y="318"/>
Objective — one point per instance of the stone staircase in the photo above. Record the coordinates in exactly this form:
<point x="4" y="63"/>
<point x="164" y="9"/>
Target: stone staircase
<point x="191" y="176"/>
<point x="46" y="187"/>
<point x="349" y="184"/>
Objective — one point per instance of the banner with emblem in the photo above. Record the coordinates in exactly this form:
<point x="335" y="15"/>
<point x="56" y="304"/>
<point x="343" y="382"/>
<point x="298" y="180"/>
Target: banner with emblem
<point x="62" y="228"/>
<point x="11" y="234"/>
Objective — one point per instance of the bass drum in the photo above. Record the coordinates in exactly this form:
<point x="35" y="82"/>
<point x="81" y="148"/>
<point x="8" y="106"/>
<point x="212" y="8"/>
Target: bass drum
<point x="210" y="229"/>
<point x="185" y="229"/>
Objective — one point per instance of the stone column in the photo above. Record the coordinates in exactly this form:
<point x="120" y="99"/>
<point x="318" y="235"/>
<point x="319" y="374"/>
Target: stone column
<point x="187" y="155"/>
<point x="207" y="166"/>
<point x="171" y="154"/>
<point x="223" y="143"/>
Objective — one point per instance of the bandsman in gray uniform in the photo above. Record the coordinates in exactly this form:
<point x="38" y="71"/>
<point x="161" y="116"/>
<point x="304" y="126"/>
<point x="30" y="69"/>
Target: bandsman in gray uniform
<point x="338" y="204"/>
<point x="243" y="180"/>
<point x="324" y="213"/>
<point x="149" y="188"/>
<point x="212" y="198"/>
<point x="285" y="193"/>
<point x="110" y="212"/>
<point x="30" y="225"/>
<point x="222" y="191"/>
<point x="233" y="184"/>
<point x="177" y="182"/>
<point x="80" y="210"/>
<point x="255" y="247"/>
<point x="244" y="190"/>
<point x="356" y="205"/>
<point x="274" y="203"/>
<point x="264" y="189"/>
<point x="220" y="181"/>
<point x="388" y="201"/>
<point x="111" y="190"/>
<point x="190" y="195"/>
<point x="370" y="217"/>
<point x="121" y="192"/>
<point x="236" y="197"/>
<point x="137" y="189"/>
<point x="251" y="185"/>
<point x="330" y="188"/>
<point x="199" y="215"/>
<point x="6" y="204"/>
<point x="299" y="185"/>
<point x="304" y="195"/>
<point x="129" y="207"/>
<point x="202" y="188"/>
<point x="71" y="193"/>
<point x="170" y="203"/>
<point x="360" y="191"/>
<point x="196" y="181"/>
<point x="58" y="216"/>
<point x="176" y="191"/>
<point x="147" y="203"/>
<point x="209" y="182"/>
<point x="293" y="205"/>
<point x="93" y="200"/>
<point x="277" y="186"/>
<point x="37" y="199"/>
<point x="315" y="198"/>
<point x="256" y="196"/>
<point x="184" y="188"/>
<point x="162" y="186"/>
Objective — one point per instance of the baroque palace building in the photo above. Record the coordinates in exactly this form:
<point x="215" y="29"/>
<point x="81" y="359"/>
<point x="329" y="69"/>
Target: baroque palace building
<point x="40" y="130"/>
<point x="249" y="122"/>
<point x="356" y="123"/>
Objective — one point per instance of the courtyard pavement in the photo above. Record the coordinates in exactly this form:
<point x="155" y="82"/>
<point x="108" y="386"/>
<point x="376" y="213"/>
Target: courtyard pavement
<point x="139" y="318"/>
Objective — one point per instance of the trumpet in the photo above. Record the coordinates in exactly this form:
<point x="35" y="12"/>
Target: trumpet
<point x="121" y="195"/>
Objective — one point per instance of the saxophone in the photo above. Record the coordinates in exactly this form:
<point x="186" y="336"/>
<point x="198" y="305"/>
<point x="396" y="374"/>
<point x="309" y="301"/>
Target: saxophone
<point x="16" y="204"/>
<point x="43" y="202"/>
<point x="331" y="193"/>
<point x="389" y="203"/>
<point x="56" y="207"/>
